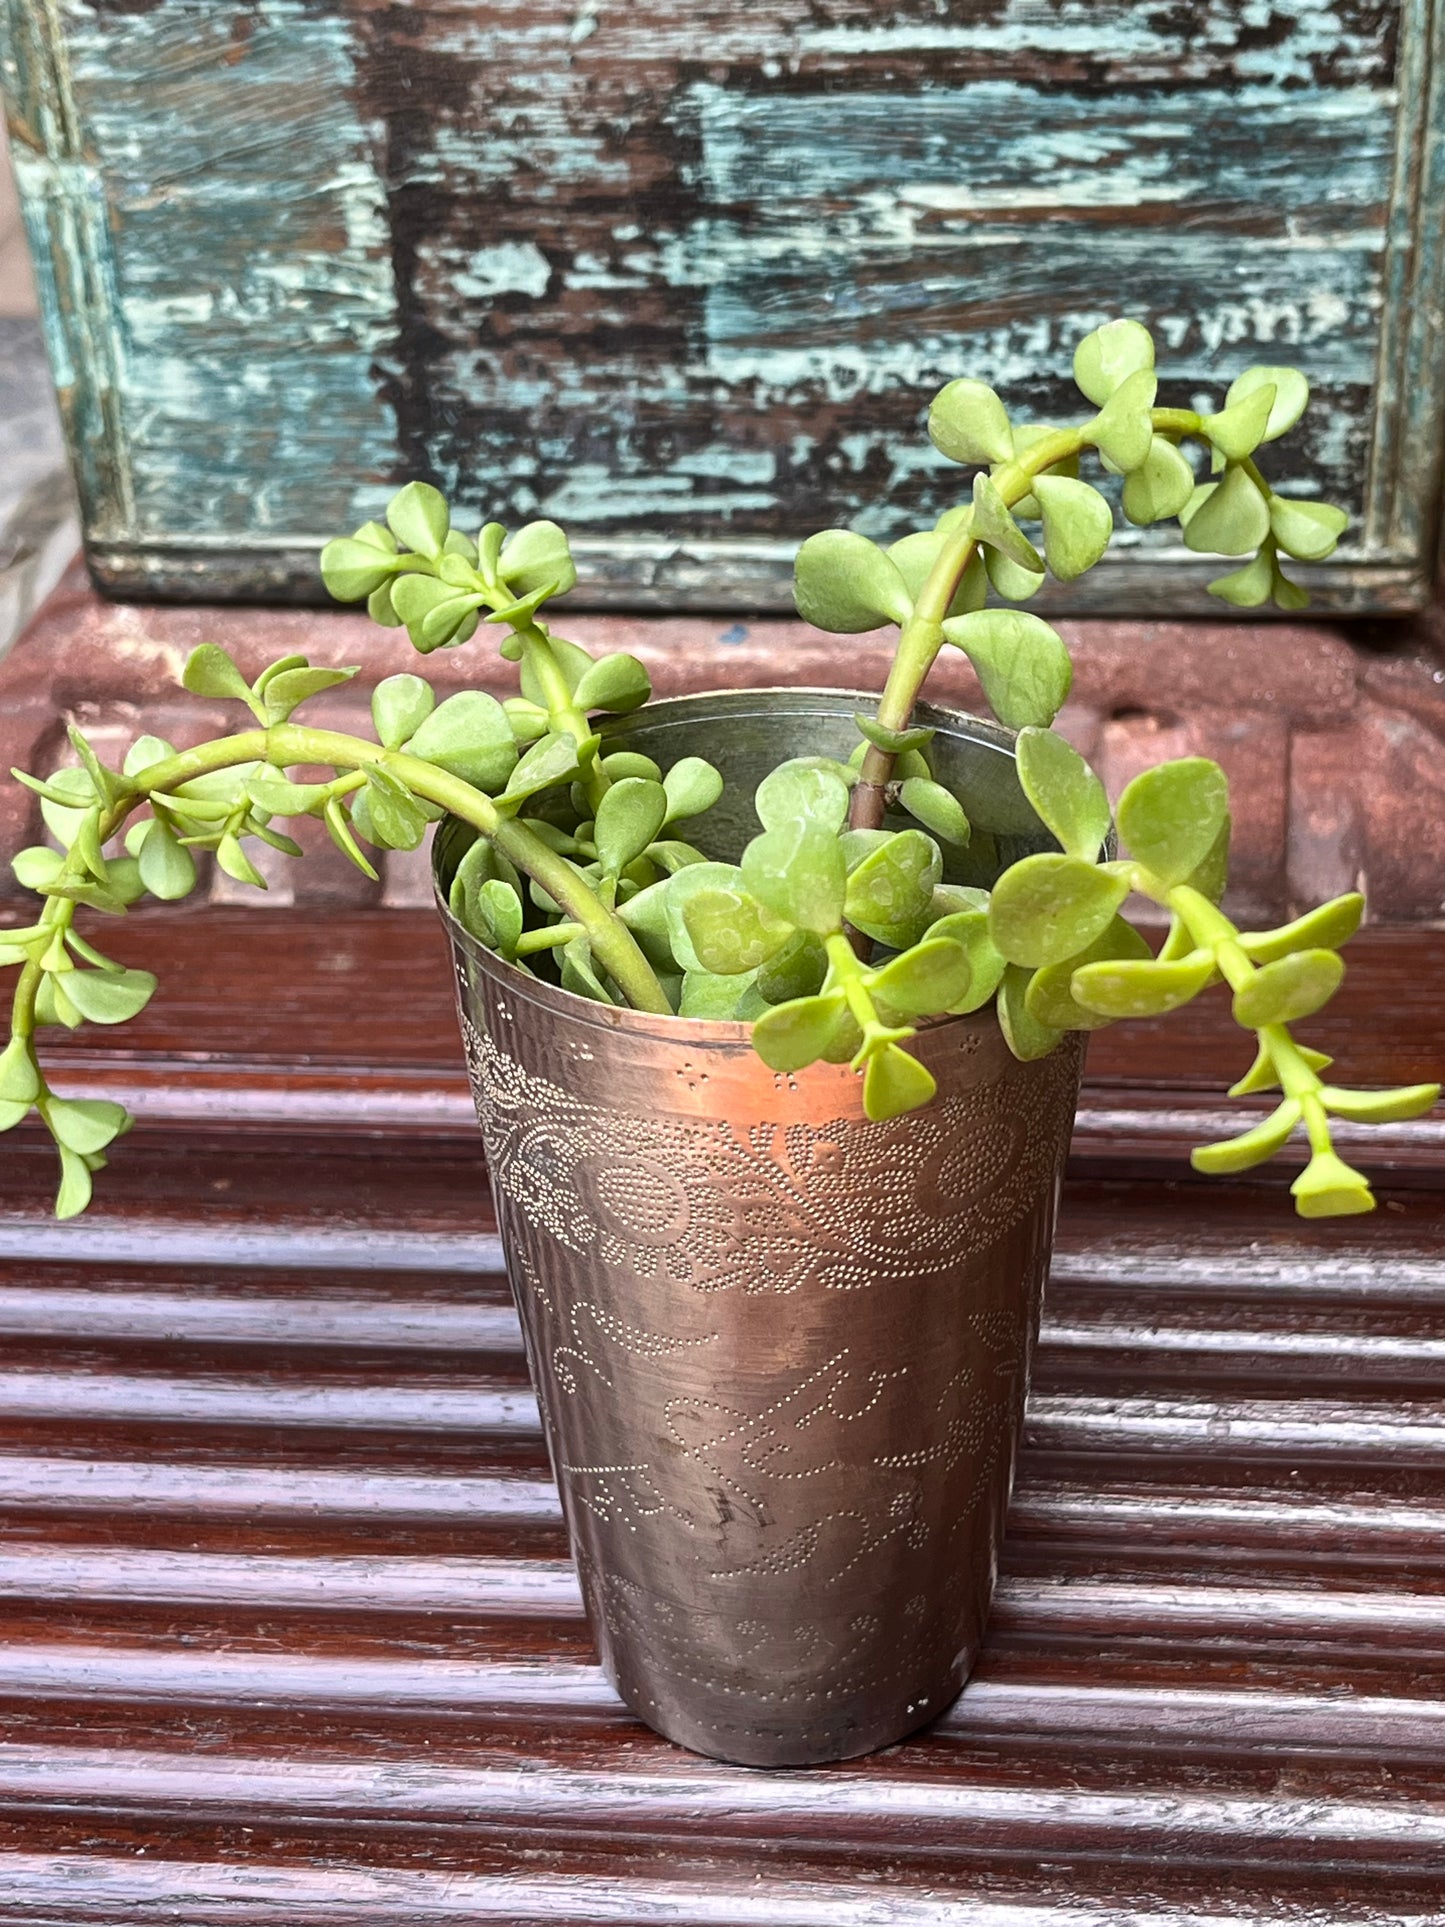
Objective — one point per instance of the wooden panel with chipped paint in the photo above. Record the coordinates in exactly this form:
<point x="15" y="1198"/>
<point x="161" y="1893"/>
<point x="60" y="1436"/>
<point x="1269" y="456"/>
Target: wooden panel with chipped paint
<point x="685" y="277"/>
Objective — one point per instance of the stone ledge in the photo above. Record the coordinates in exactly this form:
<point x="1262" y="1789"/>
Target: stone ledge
<point x="1333" y="746"/>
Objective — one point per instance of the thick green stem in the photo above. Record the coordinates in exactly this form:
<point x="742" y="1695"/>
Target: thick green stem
<point x="562" y="712"/>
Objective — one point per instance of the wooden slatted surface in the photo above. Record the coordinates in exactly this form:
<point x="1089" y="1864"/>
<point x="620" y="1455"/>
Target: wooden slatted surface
<point x="288" y="1634"/>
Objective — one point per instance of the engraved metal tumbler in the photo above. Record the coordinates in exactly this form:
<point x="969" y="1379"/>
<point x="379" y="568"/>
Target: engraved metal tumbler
<point x="781" y="1351"/>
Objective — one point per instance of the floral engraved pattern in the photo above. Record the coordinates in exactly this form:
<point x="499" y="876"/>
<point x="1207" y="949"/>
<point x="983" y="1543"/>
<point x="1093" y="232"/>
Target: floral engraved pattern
<point x="783" y="1368"/>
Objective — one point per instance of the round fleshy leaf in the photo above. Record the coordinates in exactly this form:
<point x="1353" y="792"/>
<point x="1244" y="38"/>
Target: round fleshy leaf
<point x="692" y="786"/>
<point x="730" y="932"/>
<point x="712" y="997"/>
<point x="38" y="866"/>
<point x="1049" y="907"/>
<point x="1025" y="1036"/>
<point x="1307" y="530"/>
<point x="109" y="996"/>
<point x="1252" y="1147"/>
<point x="914" y="557"/>
<point x="399" y="707"/>
<point x="800" y="792"/>
<point x="470" y="736"/>
<point x="969" y="930"/>
<point x="1330" y="1188"/>
<point x="1077" y="525"/>
<point x="1291" y="396"/>
<point x="1130" y="988"/>
<point x="1249" y="587"/>
<point x="387" y="814"/>
<point x="493" y="914"/>
<point x="537" y="557"/>
<point x="19" y="1078"/>
<point x="894" y="1083"/>
<point x="286" y="692"/>
<point x="86" y="1124"/>
<point x="628" y="818"/>
<point x="796" y="1034"/>
<point x="995" y="527"/>
<point x="552" y="760"/>
<point x="1169" y="816"/>
<point x="1239" y="429"/>
<point x="1289" y="988"/>
<point x="1107" y="358"/>
<point x="1228" y="518"/>
<point x="209" y="671"/>
<point x="1123" y="431"/>
<point x="1050" y="996"/>
<point x="145" y="752"/>
<point x="846" y="584"/>
<point x="614" y="683"/>
<point x="892" y="887"/>
<point x="674" y="895"/>
<point x="932" y="977"/>
<point x="798" y="872"/>
<point x="419" y="518"/>
<point x="798" y="969"/>
<point x="1064" y="791"/>
<point x="936" y="808"/>
<point x="1021" y="663"/>
<point x="167" y="868"/>
<point x="354" y="569"/>
<point x="968" y="423"/>
<point x="1210" y="876"/>
<point x="1011" y="582"/>
<point x="1160" y="486"/>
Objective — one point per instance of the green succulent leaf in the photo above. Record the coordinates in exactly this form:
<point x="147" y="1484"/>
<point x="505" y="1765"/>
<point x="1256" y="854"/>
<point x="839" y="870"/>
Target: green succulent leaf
<point x="1210" y="876"/>
<point x="1160" y="486"/>
<point x="1324" y="928"/>
<point x="846" y="584"/>
<point x="492" y="911"/>
<point x="1077" y="525"/>
<point x="399" y="707"/>
<point x="232" y="858"/>
<point x="19" y="1076"/>
<point x="891" y="889"/>
<point x="691" y="786"/>
<point x="209" y="671"/>
<point x="936" y="808"/>
<point x="37" y="867"/>
<point x="798" y="969"/>
<point x="61" y="820"/>
<point x="1238" y="431"/>
<point x="968" y="423"/>
<point x="1330" y="1188"/>
<point x="1380" y="1107"/>
<point x="1169" y="816"/>
<point x="286" y="691"/>
<point x="915" y="555"/>
<point x="800" y="792"/>
<point x="167" y="868"/>
<point x="550" y="761"/>
<point x="1123" y="430"/>
<point x="1291" y="987"/>
<point x="144" y="753"/>
<point x="1050" y="995"/>
<point x="995" y="527"/>
<point x="86" y="1125"/>
<point x="798" y="873"/>
<point x="538" y="557"/>
<point x="1263" y="1075"/>
<point x="932" y="977"/>
<point x="470" y="736"/>
<point x="730" y="932"/>
<point x="580" y="975"/>
<point x="1249" y="587"/>
<point x="1025" y="1036"/>
<point x="1226" y="518"/>
<point x="715" y="998"/>
<point x="1307" y="530"/>
<point x="893" y="742"/>
<point x="1021" y="664"/>
<point x="628" y="818"/>
<point x="1251" y="1147"/>
<point x="109" y="997"/>
<point x="387" y="814"/>
<point x="1067" y="796"/>
<point x="1109" y="357"/>
<point x="355" y="567"/>
<point x="420" y="519"/>
<point x="670" y="899"/>
<point x="894" y="1083"/>
<point x="1012" y="583"/>
<point x="1048" y="907"/>
<point x="1291" y="396"/>
<point x="1130" y="988"/>
<point x="614" y="683"/>
<point x="793" y="1035"/>
<point x="969" y="930"/>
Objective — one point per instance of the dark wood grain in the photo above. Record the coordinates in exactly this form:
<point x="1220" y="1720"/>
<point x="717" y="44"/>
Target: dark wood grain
<point x="288" y="1634"/>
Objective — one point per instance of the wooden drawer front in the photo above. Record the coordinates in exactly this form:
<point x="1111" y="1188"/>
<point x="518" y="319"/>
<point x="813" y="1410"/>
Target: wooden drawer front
<point x="685" y="276"/>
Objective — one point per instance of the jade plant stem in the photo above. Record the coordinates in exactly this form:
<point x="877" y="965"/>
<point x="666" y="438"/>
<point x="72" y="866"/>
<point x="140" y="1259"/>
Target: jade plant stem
<point x="287" y="745"/>
<point x="922" y="635"/>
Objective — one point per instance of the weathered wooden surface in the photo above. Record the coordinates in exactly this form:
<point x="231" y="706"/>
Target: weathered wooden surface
<point x="287" y="1629"/>
<point x="685" y="277"/>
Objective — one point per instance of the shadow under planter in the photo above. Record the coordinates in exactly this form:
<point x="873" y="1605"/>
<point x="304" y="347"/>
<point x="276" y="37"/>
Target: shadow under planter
<point x="781" y="1351"/>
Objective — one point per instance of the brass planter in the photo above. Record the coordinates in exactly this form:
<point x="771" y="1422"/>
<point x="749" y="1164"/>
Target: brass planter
<point x="781" y="1352"/>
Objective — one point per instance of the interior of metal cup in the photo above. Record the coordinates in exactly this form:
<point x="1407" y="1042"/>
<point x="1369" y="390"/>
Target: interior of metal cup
<point x="745" y="733"/>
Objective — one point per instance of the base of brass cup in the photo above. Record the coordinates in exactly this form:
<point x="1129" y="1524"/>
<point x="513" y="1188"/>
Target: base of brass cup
<point x="781" y="1352"/>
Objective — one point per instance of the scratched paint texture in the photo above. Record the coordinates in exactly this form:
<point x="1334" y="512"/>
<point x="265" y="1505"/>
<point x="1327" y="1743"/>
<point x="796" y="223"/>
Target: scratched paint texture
<point x="685" y="276"/>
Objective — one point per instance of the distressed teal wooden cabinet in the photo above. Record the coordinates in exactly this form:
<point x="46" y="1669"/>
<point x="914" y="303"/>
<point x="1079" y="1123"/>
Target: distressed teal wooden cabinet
<point x="684" y="274"/>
